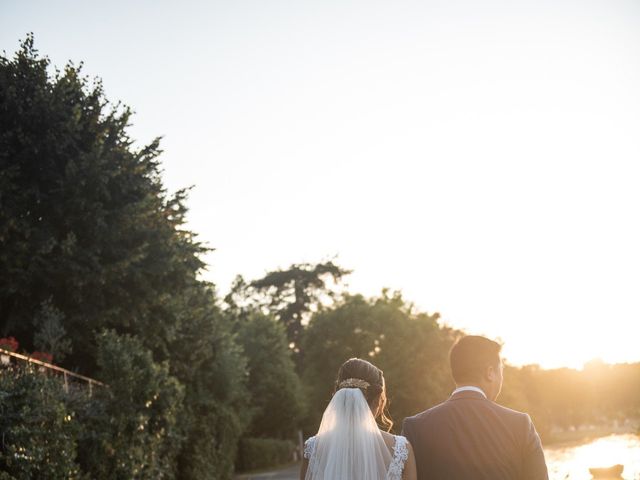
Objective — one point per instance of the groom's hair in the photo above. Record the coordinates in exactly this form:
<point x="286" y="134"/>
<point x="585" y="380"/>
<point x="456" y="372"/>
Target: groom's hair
<point x="471" y="355"/>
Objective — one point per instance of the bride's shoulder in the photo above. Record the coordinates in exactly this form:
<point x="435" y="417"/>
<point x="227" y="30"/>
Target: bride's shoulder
<point x="309" y="445"/>
<point x="401" y="450"/>
<point x="395" y="443"/>
<point x="401" y="440"/>
<point x="401" y="447"/>
<point x="389" y="439"/>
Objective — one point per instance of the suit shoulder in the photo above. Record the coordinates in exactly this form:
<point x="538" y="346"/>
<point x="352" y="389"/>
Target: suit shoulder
<point x="510" y="411"/>
<point x="516" y="417"/>
<point x="424" y="414"/>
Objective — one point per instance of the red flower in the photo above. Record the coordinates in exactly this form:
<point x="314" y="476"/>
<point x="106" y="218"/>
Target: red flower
<point x="9" y="343"/>
<point x="42" y="356"/>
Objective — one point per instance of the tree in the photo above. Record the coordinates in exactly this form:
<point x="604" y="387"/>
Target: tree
<point x="275" y="390"/>
<point x="290" y="295"/>
<point x="85" y="222"/>
<point x="410" y="347"/>
<point x="89" y="231"/>
<point x="50" y="335"/>
<point x="208" y="360"/>
<point x="131" y="429"/>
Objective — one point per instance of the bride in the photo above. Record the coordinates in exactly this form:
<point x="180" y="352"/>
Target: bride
<point x="349" y="444"/>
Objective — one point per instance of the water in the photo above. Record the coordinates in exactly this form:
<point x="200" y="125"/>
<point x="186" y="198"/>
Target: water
<point x="573" y="462"/>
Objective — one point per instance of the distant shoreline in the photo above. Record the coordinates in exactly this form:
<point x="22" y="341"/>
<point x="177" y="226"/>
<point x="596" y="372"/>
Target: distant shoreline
<point x="578" y="437"/>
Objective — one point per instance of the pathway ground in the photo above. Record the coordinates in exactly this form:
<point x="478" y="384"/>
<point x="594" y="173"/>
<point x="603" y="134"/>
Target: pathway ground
<point x="291" y="472"/>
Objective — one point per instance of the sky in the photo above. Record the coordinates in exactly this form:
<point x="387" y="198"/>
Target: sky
<point x="479" y="156"/>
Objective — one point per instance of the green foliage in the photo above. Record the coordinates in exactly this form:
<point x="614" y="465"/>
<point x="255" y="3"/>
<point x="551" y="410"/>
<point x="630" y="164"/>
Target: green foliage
<point x="135" y="434"/>
<point x="50" y="335"/>
<point x="411" y="348"/>
<point x="256" y="453"/>
<point x="126" y="430"/>
<point x="38" y="427"/>
<point x="85" y="222"/>
<point x="93" y="242"/>
<point x="207" y="360"/>
<point x="291" y="294"/>
<point x="275" y="390"/>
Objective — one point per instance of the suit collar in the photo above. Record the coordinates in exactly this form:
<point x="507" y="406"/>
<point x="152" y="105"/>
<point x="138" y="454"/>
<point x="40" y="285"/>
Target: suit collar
<point x="467" y="394"/>
<point x="472" y="388"/>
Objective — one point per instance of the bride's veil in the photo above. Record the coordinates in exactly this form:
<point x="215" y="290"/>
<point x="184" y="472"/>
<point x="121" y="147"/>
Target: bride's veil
<point x="349" y="444"/>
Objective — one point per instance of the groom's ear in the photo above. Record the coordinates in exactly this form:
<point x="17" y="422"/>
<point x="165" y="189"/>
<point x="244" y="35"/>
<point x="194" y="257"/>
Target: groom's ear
<point x="490" y="373"/>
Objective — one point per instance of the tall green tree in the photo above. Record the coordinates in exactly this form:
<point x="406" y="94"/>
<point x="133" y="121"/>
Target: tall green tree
<point x="290" y="295"/>
<point x="85" y="222"/>
<point x="88" y="230"/>
<point x="275" y="390"/>
<point x="211" y="364"/>
<point x="410" y="347"/>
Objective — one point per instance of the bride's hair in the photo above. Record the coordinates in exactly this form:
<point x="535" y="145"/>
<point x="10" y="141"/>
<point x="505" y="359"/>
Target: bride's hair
<point x="358" y="373"/>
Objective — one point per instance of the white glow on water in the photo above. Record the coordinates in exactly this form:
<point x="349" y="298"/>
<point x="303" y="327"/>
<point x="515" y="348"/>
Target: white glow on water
<point x="573" y="462"/>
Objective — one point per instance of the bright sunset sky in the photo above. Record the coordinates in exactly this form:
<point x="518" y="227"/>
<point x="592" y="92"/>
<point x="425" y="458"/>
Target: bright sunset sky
<point x="481" y="156"/>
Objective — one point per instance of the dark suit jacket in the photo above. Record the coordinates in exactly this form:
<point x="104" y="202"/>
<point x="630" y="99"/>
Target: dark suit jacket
<point x="469" y="437"/>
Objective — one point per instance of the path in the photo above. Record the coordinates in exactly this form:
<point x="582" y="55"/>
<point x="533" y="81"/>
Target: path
<point x="288" y="473"/>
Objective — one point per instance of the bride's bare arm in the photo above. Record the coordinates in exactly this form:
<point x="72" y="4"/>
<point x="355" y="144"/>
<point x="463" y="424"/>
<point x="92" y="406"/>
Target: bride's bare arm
<point x="410" y="472"/>
<point x="303" y="468"/>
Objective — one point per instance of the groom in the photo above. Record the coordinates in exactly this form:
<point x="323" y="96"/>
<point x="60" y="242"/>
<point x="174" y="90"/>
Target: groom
<point x="469" y="436"/>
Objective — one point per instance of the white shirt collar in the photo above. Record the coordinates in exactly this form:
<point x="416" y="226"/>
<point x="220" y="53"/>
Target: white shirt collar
<point x="469" y="388"/>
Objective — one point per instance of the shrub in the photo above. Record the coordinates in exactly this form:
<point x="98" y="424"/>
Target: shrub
<point x="276" y="393"/>
<point x="255" y="453"/>
<point x="39" y="428"/>
<point x="130" y="427"/>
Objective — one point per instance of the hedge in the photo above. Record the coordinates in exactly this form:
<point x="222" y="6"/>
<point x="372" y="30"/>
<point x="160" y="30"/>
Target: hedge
<point x="257" y="453"/>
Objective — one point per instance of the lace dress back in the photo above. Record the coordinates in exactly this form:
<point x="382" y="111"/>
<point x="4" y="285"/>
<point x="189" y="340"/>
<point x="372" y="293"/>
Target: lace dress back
<point x="400" y="456"/>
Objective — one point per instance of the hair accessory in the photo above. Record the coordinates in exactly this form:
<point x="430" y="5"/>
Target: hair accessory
<point x="353" y="383"/>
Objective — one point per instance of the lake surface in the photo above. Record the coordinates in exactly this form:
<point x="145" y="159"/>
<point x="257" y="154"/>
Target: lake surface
<point x="573" y="462"/>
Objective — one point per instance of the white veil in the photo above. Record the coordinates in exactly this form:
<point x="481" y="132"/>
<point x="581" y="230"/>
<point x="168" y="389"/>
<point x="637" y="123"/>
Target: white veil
<point x="349" y="444"/>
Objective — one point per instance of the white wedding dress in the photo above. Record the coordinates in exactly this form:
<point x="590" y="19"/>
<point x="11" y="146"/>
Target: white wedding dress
<point x="349" y="444"/>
